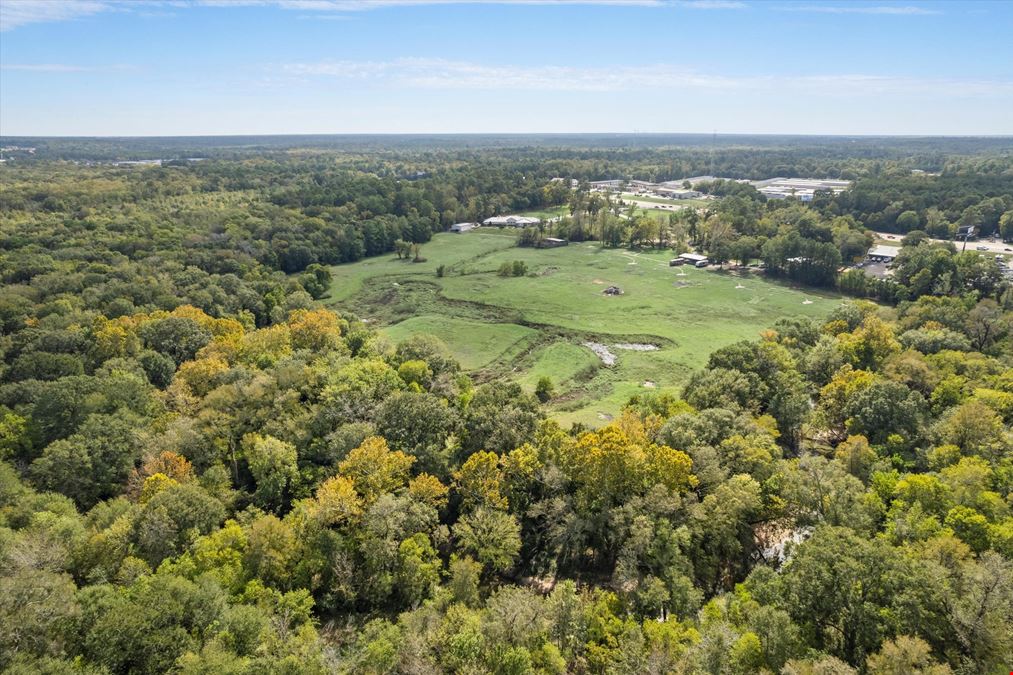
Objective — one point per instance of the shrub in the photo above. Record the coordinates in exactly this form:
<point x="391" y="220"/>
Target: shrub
<point x="544" y="389"/>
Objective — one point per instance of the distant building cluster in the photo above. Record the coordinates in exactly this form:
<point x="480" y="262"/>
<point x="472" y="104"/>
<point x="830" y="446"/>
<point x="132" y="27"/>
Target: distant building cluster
<point x="673" y="189"/>
<point x="802" y="189"/>
<point x="16" y="150"/>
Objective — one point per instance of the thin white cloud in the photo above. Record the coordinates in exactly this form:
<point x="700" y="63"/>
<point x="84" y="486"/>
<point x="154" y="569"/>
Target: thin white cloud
<point x="858" y="8"/>
<point x="43" y="67"/>
<point x="446" y="74"/>
<point x="426" y="73"/>
<point x="713" y="4"/>
<point x="64" y="68"/>
<point x="15" y="13"/>
<point x="367" y="5"/>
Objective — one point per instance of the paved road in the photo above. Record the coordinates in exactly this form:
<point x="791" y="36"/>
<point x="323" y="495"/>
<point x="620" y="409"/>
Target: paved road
<point x="996" y="247"/>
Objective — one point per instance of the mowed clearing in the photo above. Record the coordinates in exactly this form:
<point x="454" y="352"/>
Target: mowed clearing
<point x="475" y="344"/>
<point x="527" y="327"/>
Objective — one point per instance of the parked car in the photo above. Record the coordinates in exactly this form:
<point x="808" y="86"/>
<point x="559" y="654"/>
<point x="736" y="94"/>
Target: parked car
<point x="982" y="248"/>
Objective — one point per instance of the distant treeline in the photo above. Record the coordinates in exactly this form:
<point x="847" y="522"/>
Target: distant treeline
<point x="931" y="149"/>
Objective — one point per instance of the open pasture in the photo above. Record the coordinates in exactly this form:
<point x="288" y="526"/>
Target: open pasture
<point x="536" y="325"/>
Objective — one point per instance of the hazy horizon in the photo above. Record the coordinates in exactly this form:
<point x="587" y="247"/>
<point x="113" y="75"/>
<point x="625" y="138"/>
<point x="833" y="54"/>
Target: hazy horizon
<point x="702" y="135"/>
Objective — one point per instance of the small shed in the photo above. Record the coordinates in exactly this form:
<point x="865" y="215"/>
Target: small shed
<point x="463" y="227"/>
<point x="552" y="242"/>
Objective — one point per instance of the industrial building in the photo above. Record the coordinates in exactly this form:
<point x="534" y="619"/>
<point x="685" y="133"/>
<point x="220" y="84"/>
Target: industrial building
<point x="511" y="221"/>
<point x="802" y="189"/>
<point x="673" y="189"/>
<point x="882" y="253"/>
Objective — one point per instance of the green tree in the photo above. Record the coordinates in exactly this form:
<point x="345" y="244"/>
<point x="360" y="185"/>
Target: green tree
<point x="92" y="464"/>
<point x="38" y="609"/>
<point x="499" y="418"/>
<point x="491" y="536"/>
<point x="171" y="520"/>
<point x="839" y="588"/>
<point x="179" y="338"/>
<point x="273" y="465"/>
<point x="883" y="409"/>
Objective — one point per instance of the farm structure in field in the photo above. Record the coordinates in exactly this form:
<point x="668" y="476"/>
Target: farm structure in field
<point x="694" y="259"/>
<point x="552" y="242"/>
<point x="463" y="227"/>
<point x="511" y="221"/>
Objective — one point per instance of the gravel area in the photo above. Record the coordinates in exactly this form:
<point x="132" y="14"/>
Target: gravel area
<point x="606" y="356"/>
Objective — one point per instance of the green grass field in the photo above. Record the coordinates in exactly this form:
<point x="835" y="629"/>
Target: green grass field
<point x="476" y="344"/>
<point x="697" y="203"/>
<point x="546" y="214"/>
<point x="527" y="327"/>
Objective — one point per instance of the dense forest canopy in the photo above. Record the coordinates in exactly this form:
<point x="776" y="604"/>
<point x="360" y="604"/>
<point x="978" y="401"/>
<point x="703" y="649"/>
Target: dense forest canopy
<point x="204" y="469"/>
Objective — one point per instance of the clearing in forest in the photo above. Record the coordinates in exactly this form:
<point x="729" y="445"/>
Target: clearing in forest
<point x="537" y="325"/>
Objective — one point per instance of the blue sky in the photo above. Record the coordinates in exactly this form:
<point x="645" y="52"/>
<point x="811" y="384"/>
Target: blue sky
<point x="182" y="67"/>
